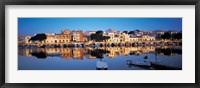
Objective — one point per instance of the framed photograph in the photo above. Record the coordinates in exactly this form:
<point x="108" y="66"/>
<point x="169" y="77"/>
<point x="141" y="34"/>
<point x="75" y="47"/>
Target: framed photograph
<point x="106" y="43"/>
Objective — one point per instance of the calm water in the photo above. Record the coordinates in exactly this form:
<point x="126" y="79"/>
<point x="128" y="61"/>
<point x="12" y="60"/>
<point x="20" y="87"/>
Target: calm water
<point x="107" y="58"/>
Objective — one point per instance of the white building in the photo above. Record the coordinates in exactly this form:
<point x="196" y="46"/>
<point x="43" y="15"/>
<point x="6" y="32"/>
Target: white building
<point x="24" y="39"/>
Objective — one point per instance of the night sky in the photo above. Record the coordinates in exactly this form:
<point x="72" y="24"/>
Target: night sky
<point x="31" y="26"/>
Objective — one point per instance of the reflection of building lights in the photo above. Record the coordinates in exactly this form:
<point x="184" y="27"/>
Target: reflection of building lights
<point x="79" y="53"/>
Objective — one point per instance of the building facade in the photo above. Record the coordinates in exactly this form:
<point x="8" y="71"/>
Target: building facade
<point x="24" y="40"/>
<point x="78" y="37"/>
<point x="63" y="38"/>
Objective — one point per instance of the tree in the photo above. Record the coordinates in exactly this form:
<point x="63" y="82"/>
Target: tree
<point x="38" y="37"/>
<point x="126" y="32"/>
<point x="99" y="32"/>
<point x="131" y="32"/>
<point x="93" y="36"/>
<point x="106" y="37"/>
<point x="166" y="35"/>
<point x="137" y="30"/>
<point x="98" y="36"/>
<point x="177" y="36"/>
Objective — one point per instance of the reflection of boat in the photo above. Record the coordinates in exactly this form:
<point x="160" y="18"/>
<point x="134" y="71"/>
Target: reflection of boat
<point x="158" y="66"/>
<point x="138" y="63"/>
<point x="101" y="65"/>
<point x="54" y="54"/>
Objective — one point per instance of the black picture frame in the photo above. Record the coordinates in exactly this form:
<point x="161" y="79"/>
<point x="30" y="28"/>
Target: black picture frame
<point x="99" y="2"/>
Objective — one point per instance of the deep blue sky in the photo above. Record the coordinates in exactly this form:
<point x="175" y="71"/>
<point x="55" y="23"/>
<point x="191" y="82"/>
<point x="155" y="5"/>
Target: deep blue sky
<point x="31" y="26"/>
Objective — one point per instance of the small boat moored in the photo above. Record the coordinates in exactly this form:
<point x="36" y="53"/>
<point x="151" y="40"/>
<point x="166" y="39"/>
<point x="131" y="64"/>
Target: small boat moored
<point x="138" y="63"/>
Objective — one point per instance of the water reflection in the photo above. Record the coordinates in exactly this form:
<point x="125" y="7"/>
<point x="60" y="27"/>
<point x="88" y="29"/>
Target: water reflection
<point x="141" y="57"/>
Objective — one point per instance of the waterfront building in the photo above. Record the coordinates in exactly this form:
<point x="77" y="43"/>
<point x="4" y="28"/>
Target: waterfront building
<point x="124" y="37"/>
<point x="85" y="38"/>
<point x="111" y="35"/>
<point x="77" y="35"/>
<point x="24" y="40"/>
<point x="147" y="32"/>
<point x="116" y="39"/>
<point x="133" y="39"/>
<point x="51" y="38"/>
<point x="138" y="32"/>
<point x="88" y="33"/>
<point x="173" y="32"/>
<point x="148" y="38"/>
<point x="63" y="38"/>
<point x="159" y="32"/>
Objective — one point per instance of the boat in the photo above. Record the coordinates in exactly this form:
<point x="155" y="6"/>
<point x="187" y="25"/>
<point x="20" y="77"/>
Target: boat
<point x="54" y="54"/>
<point x="138" y="63"/>
<point x="101" y="65"/>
